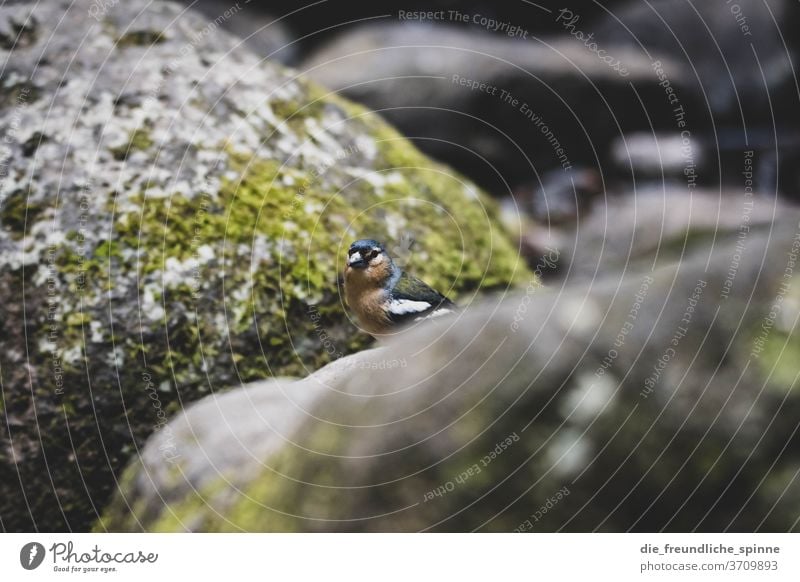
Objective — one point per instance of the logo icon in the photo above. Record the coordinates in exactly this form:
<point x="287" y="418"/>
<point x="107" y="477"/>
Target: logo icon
<point x="402" y="250"/>
<point x="31" y="555"/>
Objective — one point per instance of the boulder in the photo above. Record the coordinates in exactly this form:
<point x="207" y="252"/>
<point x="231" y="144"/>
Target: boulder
<point x="619" y="233"/>
<point x="740" y="79"/>
<point x="663" y="401"/>
<point x="173" y="216"/>
<point x="316" y="21"/>
<point x="722" y="47"/>
<point x="729" y="70"/>
<point x="265" y="34"/>
<point x="503" y="110"/>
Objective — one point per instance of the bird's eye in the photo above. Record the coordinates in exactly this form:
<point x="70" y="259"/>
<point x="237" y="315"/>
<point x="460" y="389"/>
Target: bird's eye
<point x="371" y="255"/>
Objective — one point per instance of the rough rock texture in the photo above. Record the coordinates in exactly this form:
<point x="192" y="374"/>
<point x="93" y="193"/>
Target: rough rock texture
<point x="664" y="401"/>
<point x="170" y="207"/>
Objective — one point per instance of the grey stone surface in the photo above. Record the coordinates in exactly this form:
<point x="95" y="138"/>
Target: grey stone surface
<point x="171" y="205"/>
<point x="662" y="401"/>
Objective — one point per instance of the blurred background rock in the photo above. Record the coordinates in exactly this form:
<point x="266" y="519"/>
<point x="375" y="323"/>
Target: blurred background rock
<point x="673" y="161"/>
<point x="645" y="404"/>
<point x="729" y="66"/>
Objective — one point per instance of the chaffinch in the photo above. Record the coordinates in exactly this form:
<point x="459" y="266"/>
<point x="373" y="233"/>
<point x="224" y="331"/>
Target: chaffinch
<point x="382" y="295"/>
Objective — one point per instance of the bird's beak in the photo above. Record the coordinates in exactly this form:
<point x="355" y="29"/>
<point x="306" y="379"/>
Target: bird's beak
<point x="356" y="261"/>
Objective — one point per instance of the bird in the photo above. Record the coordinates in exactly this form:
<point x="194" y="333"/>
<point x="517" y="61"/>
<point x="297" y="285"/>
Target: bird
<point x="383" y="296"/>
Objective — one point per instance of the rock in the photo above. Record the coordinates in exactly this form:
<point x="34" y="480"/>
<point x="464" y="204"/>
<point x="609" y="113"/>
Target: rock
<point x="615" y="232"/>
<point x="563" y="197"/>
<point x="655" y="156"/>
<point x="631" y="234"/>
<point x="503" y="110"/>
<point x="715" y="75"/>
<point x="173" y="212"/>
<point x="721" y="47"/>
<point x="275" y="409"/>
<point x="740" y="78"/>
<point x="315" y="22"/>
<point x="667" y="400"/>
<point x="264" y="34"/>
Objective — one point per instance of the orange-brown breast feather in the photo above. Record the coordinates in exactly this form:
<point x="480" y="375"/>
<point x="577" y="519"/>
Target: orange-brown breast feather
<point x="365" y="295"/>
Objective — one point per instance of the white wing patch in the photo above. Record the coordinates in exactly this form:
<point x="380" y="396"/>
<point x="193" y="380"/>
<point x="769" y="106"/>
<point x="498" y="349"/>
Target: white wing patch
<point x="437" y="313"/>
<point x="404" y="306"/>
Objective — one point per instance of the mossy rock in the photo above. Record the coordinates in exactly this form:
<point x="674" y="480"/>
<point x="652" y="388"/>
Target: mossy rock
<point x="641" y="404"/>
<point x="182" y="208"/>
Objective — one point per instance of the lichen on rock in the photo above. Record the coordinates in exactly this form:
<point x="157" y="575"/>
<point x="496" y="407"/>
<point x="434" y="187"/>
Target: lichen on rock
<point x="630" y="422"/>
<point x="170" y="212"/>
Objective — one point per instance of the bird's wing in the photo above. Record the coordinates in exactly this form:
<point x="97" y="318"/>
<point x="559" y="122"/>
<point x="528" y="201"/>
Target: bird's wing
<point x="412" y="299"/>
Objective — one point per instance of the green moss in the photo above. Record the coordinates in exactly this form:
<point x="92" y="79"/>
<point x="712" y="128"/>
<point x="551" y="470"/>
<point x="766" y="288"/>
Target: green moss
<point x="214" y="286"/>
<point x="261" y="506"/>
<point x="139" y="140"/>
<point x="306" y="244"/>
<point x="773" y="347"/>
<point x="294" y="114"/>
<point x="18" y="212"/>
<point x="474" y="227"/>
<point x="195" y="511"/>
<point x="140" y="38"/>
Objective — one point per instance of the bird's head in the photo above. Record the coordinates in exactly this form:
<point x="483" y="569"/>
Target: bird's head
<point x="368" y="258"/>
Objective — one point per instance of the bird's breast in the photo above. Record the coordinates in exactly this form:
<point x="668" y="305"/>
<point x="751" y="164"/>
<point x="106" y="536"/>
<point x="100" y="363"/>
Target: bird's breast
<point x="369" y="305"/>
